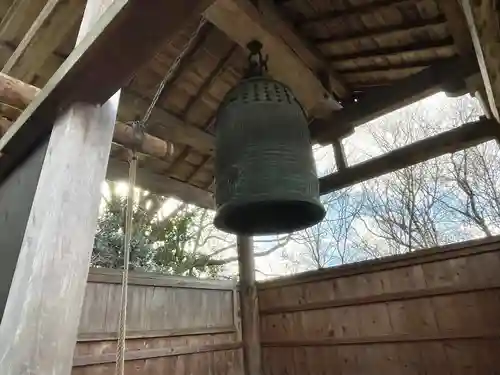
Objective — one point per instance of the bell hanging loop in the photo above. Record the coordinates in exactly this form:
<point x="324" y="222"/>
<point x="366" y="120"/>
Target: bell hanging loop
<point x="266" y="179"/>
<point x="257" y="62"/>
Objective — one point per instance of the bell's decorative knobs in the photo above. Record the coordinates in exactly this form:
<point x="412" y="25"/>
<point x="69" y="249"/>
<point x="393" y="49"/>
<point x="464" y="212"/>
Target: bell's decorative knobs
<point x="265" y="175"/>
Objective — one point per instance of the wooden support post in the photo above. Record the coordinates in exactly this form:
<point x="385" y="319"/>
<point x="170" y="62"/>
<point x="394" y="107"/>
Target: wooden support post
<point x="41" y="317"/>
<point x="249" y="307"/>
<point x="338" y="151"/>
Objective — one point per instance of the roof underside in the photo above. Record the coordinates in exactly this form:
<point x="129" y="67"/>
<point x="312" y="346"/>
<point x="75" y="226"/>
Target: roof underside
<point x="366" y="44"/>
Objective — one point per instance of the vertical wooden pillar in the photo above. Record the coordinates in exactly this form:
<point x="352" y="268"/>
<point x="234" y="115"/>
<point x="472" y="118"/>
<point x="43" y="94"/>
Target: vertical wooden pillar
<point x="40" y="321"/>
<point x="249" y="308"/>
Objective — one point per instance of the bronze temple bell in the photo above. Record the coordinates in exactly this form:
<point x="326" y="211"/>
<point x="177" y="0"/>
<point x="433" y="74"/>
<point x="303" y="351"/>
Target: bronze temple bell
<point x="265" y="174"/>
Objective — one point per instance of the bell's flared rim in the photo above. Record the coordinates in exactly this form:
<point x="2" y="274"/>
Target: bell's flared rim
<point x="260" y="218"/>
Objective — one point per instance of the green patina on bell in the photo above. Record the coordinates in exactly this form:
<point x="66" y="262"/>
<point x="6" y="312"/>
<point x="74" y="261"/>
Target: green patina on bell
<point x="265" y="174"/>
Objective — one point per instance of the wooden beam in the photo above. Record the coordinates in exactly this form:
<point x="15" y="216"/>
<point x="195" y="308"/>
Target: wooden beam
<point x="38" y="334"/>
<point x="358" y="11"/>
<point x="249" y="307"/>
<point x="17" y="94"/>
<point x="387" y="68"/>
<point x="373" y="75"/>
<point x="465" y="136"/>
<point x="19" y="13"/>
<point x="106" y="58"/>
<point x="284" y="63"/>
<point x="457" y="25"/>
<point x="390" y="98"/>
<point x="161" y="184"/>
<point x="384" y="32"/>
<point x="48" y="31"/>
<point x="418" y="47"/>
<point x="484" y="27"/>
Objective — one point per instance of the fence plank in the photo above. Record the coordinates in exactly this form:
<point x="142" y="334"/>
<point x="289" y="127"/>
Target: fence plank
<point x="433" y="311"/>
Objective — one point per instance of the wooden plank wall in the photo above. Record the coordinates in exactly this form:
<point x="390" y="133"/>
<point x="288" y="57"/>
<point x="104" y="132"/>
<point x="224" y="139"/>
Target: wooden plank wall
<point x="434" y="311"/>
<point x="174" y="326"/>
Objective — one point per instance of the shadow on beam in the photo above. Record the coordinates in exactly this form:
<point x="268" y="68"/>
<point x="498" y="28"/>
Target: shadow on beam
<point x="467" y="135"/>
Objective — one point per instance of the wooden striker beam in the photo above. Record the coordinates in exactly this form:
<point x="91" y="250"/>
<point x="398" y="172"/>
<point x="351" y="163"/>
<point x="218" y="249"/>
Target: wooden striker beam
<point x="18" y="94"/>
<point x="465" y="136"/>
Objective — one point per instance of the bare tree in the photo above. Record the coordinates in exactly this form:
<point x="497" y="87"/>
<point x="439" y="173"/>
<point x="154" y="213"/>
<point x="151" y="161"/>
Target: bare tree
<point x="219" y="248"/>
<point x="412" y="208"/>
<point x="331" y="241"/>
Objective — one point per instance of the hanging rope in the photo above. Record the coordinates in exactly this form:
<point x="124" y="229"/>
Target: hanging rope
<point x="139" y="129"/>
<point x="173" y="68"/>
<point x="120" y="352"/>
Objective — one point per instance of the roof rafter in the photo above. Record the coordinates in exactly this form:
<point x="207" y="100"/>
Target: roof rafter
<point x="16" y="16"/>
<point x="420" y="47"/>
<point x="385" y="99"/>
<point x="97" y="62"/>
<point x="386" y="31"/>
<point x="367" y="8"/>
<point x="48" y="31"/>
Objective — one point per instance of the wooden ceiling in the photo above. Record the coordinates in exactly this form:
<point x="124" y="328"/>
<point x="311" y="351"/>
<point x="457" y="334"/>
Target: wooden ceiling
<point x="371" y="56"/>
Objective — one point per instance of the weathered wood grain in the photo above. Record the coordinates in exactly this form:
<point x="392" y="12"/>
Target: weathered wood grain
<point x="432" y="311"/>
<point x="40" y="321"/>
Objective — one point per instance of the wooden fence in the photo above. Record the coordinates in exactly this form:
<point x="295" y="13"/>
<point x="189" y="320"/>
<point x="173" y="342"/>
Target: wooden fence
<point x="175" y="326"/>
<point x="434" y="311"/>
